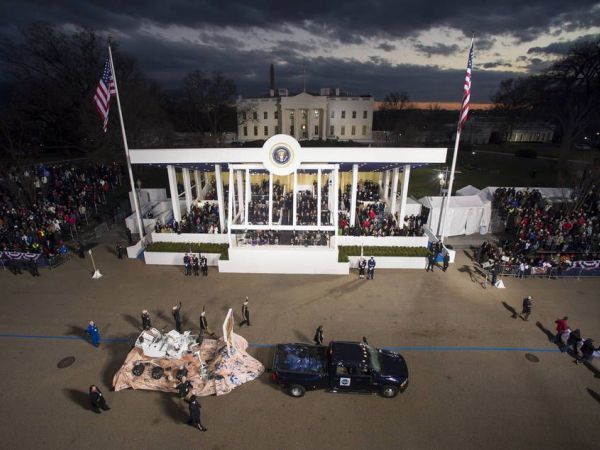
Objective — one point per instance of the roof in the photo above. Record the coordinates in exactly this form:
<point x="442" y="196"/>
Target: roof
<point x="467" y="201"/>
<point x="349" y="351"/>
<point x="314" y="94"/>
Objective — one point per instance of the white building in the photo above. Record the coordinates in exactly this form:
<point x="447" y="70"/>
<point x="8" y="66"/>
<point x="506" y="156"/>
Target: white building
<point x="330" y="115"/>
<point x="532" y="132"/>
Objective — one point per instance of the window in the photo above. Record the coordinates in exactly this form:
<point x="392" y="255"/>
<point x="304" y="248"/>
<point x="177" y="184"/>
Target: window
<point x="354" y="114"/>
<point x="364" y="130"/>
<point x="255" y="131"/>
<point x="245" y="131"/>
<point x="353" y="130"/>
<point x="331" y="130"/>
<point x="266" y="130"/>
<point x="255" y="115"/>
<point x="276" y="129"/>
<point x="317" y="130"/>
<point x="276" y="115"/>
<point x="343" y="131"/>
<point x="244" y="115"/>
<point x="265" y="115"/>
<point x="364" y="114"/>
<point x="343" y="114"/>
<point x="333" y="114"/>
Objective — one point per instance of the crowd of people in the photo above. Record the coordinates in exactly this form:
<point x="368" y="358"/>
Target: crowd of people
<point x="42" y="206"/>
<point x="544" y="237"/>
<point x="372" y="220"/>
<point x="200" y="219"/>
<point x="272" y="237"/>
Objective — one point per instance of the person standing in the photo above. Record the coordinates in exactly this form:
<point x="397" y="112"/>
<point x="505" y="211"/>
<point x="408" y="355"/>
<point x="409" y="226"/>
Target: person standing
<point x="371" y="268"/>
<point x="245" y="313"/>
<point x="446" y="261"/>
<point x="187" y="265"/>
<point x="204" y="324"/>
<point x="204" y="266"/>
<point x="362" y="263"/>
<point x="119" y="251"/>
<point x="526" y="311"/>
<point x="195" y="265"/>
<point x="97" y="400"/>
<point x="146" y="321"/>
<point x="94" y="333"/>
<point x="318" y="339"/>
<point x="561" y="327"/>
<point x="430" y="261"/>
<point x="194" y="408"/>
<point x="177" y="316"/>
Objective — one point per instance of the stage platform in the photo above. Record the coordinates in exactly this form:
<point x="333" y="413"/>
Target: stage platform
<point x="290" y="259"/>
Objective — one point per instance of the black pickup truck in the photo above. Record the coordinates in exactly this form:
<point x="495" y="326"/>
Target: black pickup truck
<point x="339" y="367"/>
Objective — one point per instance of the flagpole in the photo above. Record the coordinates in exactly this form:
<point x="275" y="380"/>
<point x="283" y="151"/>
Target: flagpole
<point x="451" y="182"/>
<point x="136" y="203"/>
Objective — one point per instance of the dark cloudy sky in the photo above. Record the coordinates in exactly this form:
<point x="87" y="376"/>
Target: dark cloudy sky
<point x="360" y="46"/>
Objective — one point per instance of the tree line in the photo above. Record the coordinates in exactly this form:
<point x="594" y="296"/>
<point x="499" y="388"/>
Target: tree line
<point x="46" y="101"/>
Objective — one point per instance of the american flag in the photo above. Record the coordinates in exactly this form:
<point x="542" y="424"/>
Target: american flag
<point x="105" y="89"/>
<point x="464" y="110"/>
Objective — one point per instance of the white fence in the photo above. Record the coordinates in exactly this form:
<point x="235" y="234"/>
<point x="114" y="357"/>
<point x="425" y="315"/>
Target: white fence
<point x="190" y="237"/>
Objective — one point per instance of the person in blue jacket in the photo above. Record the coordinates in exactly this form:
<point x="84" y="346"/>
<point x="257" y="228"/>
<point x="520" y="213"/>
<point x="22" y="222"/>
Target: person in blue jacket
<point x="371" y="268"/>
<point x="92" y="330"/>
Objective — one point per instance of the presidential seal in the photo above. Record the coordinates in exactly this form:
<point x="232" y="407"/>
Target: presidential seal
<point x="281" y="155"/>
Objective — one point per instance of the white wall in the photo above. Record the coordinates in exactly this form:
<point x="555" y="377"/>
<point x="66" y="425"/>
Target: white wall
<point x="176" y="259"/>
<point x="148" y="196"/>
<point x="384" y="241"/>
<point x="393" y="262"/>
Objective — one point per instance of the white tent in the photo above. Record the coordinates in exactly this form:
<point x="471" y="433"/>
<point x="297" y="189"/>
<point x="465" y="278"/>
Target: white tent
<point x="467" y="215"/>
<point x="413" y="207"/>
<point x="467" y="190"/>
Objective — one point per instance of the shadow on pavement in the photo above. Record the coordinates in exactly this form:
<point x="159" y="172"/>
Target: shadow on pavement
<point x="78" y="397"/>
<point x="117" y="351"/>
<point x="111" y="250"/>
<point x="468" y="255"/>
<point x="594" y="394"/>
<point x="546" y="331"/>
<point x="133" y="321"/>
<point x="301" y="336"/>
<point x="172" y="407"/>
<point x="510" y="309"/>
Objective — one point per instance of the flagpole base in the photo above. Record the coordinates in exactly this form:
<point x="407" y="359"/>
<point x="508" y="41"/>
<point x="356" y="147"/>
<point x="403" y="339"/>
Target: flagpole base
<point x="96" y="275"/>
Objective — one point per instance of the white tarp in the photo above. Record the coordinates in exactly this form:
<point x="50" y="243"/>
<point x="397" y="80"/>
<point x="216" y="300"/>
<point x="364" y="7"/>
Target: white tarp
<point x="547" y="192"/>
<point x="467" y="215"/>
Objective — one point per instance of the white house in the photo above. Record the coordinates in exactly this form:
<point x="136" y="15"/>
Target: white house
<point x="329" y="115"/>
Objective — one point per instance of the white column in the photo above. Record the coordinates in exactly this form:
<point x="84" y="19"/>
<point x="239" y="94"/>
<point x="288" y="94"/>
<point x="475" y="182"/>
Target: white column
<point x="220" y="199"/>
<point x="318" y="197"/>
<point x="386" y="185"/>
<point x="230" y="206"/>
<point x="247" y="197"/>
<point x="240" y="191"/>
<point x="270" y="198"/>
<point x="335" y="212"/>
<point x="294" y="197"/>
<point x="197" y="183"/>
<point x="353" y="194"/>
<point x="394" y="190"/>
<point x="405" y="178"/>
<point x="187" y="188"/>
<point x="171" y="172"/>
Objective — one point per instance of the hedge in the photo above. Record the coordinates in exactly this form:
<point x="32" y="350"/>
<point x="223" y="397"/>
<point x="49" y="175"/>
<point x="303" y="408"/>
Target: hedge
<point x="185" y="247"/>
<point x="354" y="250"/>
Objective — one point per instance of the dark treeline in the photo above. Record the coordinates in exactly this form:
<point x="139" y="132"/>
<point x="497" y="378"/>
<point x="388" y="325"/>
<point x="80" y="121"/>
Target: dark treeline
<point x="46" y="103"/>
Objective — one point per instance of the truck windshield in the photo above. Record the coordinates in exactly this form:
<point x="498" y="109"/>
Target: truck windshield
<point x="374" y="358"/>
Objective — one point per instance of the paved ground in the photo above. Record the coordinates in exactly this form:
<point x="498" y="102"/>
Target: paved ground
<point x="458" y="397"/>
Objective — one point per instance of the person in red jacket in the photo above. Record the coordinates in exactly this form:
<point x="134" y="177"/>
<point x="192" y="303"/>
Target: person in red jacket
<point x="561" y="327"/>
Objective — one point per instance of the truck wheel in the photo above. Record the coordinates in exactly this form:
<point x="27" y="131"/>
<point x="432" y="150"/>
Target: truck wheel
<point x="389" y="391"/>
<point x="295" y="390"/>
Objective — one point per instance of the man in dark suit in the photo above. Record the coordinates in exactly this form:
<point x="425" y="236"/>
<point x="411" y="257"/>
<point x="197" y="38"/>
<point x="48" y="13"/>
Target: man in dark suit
<point x="245" y="313"/>
<point x="177" y="316"/>
<point x="97" y="400"/>
<point x="194" y="407"/>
